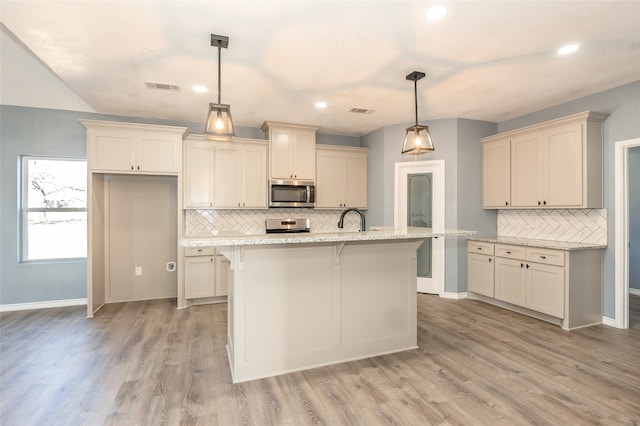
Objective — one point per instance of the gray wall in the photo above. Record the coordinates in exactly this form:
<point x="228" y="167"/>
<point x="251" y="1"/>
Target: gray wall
<point x="623" y="106"/>
<point x="457" y="142"/>
<point x="37" y="131"/>
<point x="634" y="217"/>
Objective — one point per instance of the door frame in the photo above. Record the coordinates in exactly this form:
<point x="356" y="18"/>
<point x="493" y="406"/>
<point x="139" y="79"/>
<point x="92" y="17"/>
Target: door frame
<point x="436" y="168"/>
<point x="621" y="225"/>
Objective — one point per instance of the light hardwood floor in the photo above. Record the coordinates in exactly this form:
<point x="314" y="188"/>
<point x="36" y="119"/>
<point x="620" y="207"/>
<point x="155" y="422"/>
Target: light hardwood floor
<point x="147" y="363"/>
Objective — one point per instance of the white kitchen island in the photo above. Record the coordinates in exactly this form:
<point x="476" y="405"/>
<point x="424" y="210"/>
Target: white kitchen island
<point x="299" y="301"/>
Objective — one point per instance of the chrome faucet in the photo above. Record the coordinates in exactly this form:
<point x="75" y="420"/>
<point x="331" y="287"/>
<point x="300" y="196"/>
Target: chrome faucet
<point x="362" y="221"/>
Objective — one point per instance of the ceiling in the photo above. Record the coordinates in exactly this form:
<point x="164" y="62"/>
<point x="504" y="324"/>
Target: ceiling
<point x="484" y="60"/>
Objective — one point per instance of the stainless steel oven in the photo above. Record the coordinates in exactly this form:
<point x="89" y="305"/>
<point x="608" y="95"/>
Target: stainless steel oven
<point x="292" y="193"/>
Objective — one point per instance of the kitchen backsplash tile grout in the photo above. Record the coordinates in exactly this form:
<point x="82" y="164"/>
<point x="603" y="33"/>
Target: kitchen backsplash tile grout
<point x="201" y="223"/>
<point x="571" y="225"/>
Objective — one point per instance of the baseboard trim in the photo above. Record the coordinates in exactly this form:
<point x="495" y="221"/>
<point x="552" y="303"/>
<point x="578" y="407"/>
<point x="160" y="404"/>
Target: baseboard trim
<point x="611" y="322"/>
<point x="634" y="291"/>
<point x="42" y="305"/>
<point x="451" y="295"/>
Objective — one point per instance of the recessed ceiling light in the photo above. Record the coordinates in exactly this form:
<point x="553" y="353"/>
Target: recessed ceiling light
<point x="569" y="48"/>
<point x="200" y="89"/>
<point x="321" y="104"/>
<point x="435" y="12"/>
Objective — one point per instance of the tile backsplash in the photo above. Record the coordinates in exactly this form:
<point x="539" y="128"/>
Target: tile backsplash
<point x="572" y="225"/>
<point x="203" y="223"/>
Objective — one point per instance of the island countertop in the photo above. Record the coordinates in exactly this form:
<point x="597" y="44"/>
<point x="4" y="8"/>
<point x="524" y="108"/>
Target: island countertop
<point x="227" y="238"/>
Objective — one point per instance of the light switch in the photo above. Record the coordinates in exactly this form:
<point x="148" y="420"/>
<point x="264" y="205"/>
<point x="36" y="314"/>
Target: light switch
<point x="138" y="270"/>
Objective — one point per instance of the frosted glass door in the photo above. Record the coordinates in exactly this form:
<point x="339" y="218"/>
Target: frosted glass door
<point x="419" y="202"/>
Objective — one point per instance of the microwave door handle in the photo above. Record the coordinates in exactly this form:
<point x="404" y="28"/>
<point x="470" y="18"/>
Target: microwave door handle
<point x="308" y="194"/>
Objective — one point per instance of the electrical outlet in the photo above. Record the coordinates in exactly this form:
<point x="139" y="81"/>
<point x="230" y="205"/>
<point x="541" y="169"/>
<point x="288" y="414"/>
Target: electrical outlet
<point x="138" y="270"/>
<point x="171" y="266"/>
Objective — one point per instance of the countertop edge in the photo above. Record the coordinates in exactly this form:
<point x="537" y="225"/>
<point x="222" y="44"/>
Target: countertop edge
<point x="530" y="242"/>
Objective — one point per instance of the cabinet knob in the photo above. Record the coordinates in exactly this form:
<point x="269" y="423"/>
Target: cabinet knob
<point x="539" y="203"/>
<point x="489" y="259"/>
<point x="131" y="167"/>
<point x="544" y="202"/>
<point x="506" y="203"/>
<point x="527" y="266"/>
<point x="543" y="257"/>
<point x="521" y="265"/>
<point x="508" y="252"/>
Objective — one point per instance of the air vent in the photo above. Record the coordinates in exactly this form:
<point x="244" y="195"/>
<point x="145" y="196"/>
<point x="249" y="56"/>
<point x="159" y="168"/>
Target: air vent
<point x="361" y="111"/>
<point x="162" y="86"/>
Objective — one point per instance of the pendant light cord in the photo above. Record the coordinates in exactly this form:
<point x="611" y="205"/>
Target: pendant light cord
<point x="415" y="93"/>
<point x="220" y="77"/>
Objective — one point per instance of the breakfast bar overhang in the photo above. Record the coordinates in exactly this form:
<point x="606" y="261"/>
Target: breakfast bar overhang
<point x="302" y="301"/>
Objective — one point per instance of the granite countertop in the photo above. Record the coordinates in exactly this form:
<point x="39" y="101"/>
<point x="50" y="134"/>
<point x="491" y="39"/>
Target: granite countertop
<point x="230" y="238"/>
<point x="559" y="245"/>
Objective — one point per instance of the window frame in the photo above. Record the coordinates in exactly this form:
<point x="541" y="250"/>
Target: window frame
<point x="24" y="183"/>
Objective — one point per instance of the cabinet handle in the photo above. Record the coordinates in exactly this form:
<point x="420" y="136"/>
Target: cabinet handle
<point x="544" y="202"/>
<point x="479" y="248"/>
<point x="489" y="259"/>
<point x="527" y="266"/>
<point x="131" y="167"/>
<point x="199" y="250"/>
<point x="543" y="257"/>
<point x="521" y="265"/>
<point x="539" y="203"/>
<point x="506" y="203"/>
<point x="138" y="167"/>
<point x="508" y="252"/>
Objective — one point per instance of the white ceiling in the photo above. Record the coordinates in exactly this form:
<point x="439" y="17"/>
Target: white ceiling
<point x="485" y="60"/>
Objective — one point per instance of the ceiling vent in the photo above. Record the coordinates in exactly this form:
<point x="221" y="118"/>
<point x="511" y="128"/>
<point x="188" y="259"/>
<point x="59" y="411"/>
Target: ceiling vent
<point x="362" y="111"/>
<point x="162" y="86"/>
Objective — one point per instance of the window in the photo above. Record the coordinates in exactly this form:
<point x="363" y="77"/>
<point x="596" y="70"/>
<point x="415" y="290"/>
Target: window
<point x="54" y="208"/>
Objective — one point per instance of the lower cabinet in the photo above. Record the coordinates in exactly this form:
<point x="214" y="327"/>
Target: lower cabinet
<point x="565" y="286"/>
<point x="206" y="273"/>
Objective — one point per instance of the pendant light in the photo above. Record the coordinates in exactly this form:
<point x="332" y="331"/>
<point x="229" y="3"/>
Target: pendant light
<point x="219" y="125"/>
<point x="417" y="139"/>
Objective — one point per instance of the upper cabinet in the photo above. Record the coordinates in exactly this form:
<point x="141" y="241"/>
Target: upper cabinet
<point x="556" y="164"/>
<point x="115" y="147"/>
<point x="342" y="177"/>
<point x="225" y="175"/>
<point x="292" y="151"/>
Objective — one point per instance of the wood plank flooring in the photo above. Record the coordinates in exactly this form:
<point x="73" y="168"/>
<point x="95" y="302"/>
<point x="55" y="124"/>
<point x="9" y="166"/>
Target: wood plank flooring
<point x="146" y="363"/>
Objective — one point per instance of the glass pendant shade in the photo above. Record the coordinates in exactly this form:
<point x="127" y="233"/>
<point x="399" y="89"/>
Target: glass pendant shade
<point x="417" y="140"/>
<point x="219" y="125"/>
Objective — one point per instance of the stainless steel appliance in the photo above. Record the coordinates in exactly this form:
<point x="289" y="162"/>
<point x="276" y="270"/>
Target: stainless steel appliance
<point x="283" y="226"/>
<point x="292" y="193"/>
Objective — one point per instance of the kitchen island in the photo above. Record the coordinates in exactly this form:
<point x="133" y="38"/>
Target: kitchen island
<point x="306" y="300"/>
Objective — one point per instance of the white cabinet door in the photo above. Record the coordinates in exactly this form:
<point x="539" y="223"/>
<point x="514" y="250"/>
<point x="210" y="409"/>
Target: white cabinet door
<point x="200" y="277"/>
<point x="254" y="175"/>
<point x="111" y="151"/>
<point x="527" y="168"/>
<point x="496" y="174"/>
<point x="564" y="160"/>
<point x="156" y="153"/>
<point x="330" y="184"/>
<point x="281" y="153"/>
<point x="228" y="177"/>
<point x="545" y="289"/>
<point x="510" y="281"/>
<point x="304" y="155"/>
<point x="222" y="276"/>
<point x="198" y="175"/>
<point x="356" y="179"/>
<point x="480" y="274"/>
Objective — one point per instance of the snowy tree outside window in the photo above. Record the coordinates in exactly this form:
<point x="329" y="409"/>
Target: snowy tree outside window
<point x="54" y="208"/>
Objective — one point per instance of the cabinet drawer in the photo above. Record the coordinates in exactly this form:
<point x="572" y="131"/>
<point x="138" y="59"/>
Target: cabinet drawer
<point x="546" y="256"/>
<point x="199" y="251"/>
<point x="512" y="252"/>
<point x="479" y="247"/>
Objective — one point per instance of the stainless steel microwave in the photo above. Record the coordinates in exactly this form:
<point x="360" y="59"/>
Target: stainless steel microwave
<point x="292" y="193"/>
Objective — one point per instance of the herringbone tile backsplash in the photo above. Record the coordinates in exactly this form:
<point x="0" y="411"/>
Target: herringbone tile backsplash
<point x="202" y="223"/>
<point x="576" y="226"/>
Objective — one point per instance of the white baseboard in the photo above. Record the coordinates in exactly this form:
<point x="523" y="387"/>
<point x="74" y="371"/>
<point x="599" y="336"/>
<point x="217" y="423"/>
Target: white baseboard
<point x="634" y="291"/>
<point x="42" y="305"/>
<point x="450" y="295"/>
<point x="611" y="322"/>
